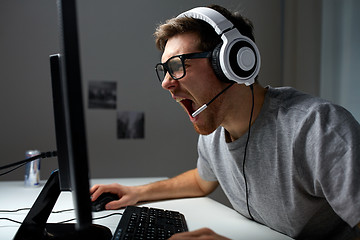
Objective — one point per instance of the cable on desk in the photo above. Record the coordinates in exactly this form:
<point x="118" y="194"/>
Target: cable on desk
<point x="97" y="218"/>
<point x="24" y="209"/>
<point x="61" y="211"/>
<point x="12" y="211"/>
<point x="11" y="220"/>
<point x="106" y="216"/>
<point x="69" y="220"/>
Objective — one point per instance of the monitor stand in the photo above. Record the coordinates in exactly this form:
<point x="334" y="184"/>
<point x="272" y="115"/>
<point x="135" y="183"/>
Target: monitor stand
<point x="34" y="225"/>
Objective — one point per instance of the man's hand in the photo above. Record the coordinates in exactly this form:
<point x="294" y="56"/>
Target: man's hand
<point x="203" y="233"/>
<point x="127" y="195"/>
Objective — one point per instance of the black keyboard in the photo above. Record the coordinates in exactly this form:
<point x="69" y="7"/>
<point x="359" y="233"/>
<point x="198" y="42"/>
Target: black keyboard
<point x="149" y="223"/>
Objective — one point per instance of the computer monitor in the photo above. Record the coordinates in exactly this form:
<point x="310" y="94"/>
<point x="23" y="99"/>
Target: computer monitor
<point x="60" y="123"/>
<point x="71" y="144"/>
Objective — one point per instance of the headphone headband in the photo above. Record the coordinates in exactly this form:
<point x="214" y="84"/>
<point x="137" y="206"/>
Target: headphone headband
<point x="237" y="58"/>
<point x="212" y="17"/>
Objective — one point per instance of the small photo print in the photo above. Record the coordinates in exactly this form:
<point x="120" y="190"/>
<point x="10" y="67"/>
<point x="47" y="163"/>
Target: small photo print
<point x="102" y="94"/>
<point x="130" y="125"/>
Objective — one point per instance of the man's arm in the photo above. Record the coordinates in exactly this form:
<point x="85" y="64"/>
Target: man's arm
<point x="188" y="184"/>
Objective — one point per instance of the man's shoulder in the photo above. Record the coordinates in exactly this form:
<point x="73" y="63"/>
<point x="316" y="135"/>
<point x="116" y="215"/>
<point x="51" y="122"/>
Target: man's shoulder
<point x="290" y="100"/>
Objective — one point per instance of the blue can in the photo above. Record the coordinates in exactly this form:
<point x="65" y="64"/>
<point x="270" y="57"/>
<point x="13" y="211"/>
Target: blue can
<point x="32" y="169"/>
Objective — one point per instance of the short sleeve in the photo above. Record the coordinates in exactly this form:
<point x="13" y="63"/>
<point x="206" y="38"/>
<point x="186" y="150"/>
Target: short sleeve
<point x="330" y="143"/>
<point x="204" y="164"/>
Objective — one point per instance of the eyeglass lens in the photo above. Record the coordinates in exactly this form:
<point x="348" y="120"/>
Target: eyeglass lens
<point x="174" y="66"/>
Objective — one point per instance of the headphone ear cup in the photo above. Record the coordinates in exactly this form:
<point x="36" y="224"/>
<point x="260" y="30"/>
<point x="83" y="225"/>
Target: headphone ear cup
<point x="215" y="63"/>
<point x="242" y="60"/>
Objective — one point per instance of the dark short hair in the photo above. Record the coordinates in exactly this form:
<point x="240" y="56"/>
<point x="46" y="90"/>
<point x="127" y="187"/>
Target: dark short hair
<point x="207" y="35"/>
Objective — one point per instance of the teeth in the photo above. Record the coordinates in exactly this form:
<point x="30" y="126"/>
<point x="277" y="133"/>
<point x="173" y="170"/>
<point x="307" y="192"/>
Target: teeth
<point x="179" y="99"/>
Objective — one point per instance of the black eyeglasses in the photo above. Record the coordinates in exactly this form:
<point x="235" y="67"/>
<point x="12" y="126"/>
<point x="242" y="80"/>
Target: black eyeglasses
<point x="176" y="66"/>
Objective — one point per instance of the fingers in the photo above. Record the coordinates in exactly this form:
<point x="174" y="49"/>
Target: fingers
<point x="93" y="188"/>
<point x="192" y="234"/>
<point x="203" y="233"/>
<point x="96" y="191"/>
<point x="122" y="202"/>
<point x="99" y="189"/>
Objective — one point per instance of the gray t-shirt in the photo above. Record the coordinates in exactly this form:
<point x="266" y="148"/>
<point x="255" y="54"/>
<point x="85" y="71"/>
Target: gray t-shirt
<point x="302" y="166"/>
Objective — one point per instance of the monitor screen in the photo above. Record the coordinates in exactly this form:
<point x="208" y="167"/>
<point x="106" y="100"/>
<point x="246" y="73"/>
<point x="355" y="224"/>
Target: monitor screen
<point x="71" y="85"/>
<point x="71" y="144"/>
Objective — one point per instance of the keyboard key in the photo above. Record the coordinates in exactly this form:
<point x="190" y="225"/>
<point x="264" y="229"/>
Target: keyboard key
<point x="149" y="223"/>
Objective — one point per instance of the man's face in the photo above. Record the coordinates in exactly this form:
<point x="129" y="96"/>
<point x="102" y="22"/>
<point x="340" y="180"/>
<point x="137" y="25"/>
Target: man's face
<point x="197" y="87"/>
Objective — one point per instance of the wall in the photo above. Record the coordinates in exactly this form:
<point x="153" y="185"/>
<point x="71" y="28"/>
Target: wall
<point x="116" y="45"/>
<point x="302" y="45"/>
<point x="340" y="54"/>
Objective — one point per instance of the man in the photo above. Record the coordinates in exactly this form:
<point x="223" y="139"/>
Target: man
<point x="283" y="158"/>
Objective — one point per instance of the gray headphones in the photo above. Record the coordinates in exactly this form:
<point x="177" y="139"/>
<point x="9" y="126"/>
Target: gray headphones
<point x="237" y="58"/>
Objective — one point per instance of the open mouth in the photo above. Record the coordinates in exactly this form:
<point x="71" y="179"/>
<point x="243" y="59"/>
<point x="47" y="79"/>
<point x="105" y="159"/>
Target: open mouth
<point x="187" y="104"/>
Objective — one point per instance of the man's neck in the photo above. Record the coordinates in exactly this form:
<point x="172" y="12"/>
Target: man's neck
<point x="238" y="117"/>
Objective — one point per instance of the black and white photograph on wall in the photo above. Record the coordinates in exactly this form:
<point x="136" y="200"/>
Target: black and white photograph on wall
<point x="102" y="94"/>
<point x="130" y="125"/>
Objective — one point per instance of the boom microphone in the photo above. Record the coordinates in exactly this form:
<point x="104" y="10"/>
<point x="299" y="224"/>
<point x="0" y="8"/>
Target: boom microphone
<point x="203" y="107"/>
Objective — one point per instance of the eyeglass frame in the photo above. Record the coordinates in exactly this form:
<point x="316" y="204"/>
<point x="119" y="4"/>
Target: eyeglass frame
<point x="182" y="57"/>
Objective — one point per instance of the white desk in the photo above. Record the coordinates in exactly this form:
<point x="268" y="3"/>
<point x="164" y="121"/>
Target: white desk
<point x="199" y="212"/>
